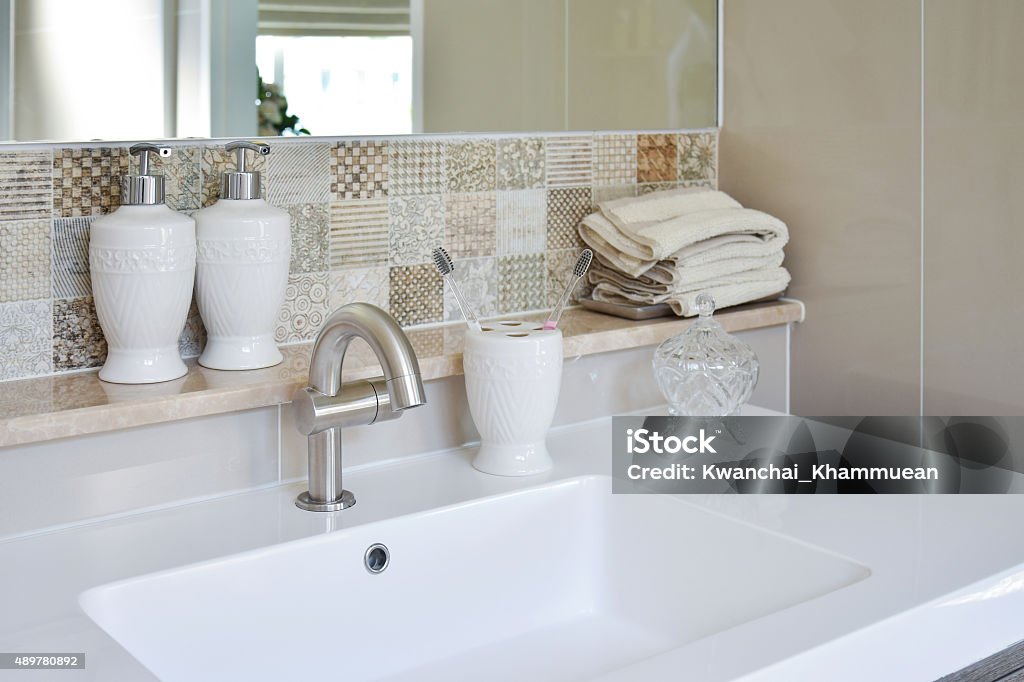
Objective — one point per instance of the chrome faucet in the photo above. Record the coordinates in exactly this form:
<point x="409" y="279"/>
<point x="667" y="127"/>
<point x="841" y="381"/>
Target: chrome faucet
<point x="326" y="405"/>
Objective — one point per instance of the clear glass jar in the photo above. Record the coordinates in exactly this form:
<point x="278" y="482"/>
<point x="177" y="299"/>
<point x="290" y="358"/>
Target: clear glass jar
<point x="704" y="371"/>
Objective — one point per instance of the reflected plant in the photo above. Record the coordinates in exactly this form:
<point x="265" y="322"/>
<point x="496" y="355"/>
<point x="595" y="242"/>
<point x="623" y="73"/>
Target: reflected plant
<point x="272" y="105"/>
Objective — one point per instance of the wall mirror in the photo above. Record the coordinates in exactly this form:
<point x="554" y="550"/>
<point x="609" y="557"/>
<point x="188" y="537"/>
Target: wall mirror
<point x="136" y="69"/>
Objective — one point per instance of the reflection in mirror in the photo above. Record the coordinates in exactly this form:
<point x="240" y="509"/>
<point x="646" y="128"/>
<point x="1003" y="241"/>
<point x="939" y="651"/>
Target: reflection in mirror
<point x="134" y="69"/>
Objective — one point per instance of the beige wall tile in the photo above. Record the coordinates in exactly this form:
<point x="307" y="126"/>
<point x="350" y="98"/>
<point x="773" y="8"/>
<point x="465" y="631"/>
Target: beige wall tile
<point x="974" y="167"/>
<point x="824" y="133"/>
<point x="632" y="65"/>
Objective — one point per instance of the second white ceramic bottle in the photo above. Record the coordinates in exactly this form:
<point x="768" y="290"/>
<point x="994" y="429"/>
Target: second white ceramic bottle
<point x="244" y="248"/>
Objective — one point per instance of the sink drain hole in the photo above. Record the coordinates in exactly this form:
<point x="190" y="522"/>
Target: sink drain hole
<point x="376" y="558"/>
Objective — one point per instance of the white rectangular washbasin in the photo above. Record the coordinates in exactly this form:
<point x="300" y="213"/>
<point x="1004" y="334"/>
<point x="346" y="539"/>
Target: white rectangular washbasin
<point x="560" y="582"/>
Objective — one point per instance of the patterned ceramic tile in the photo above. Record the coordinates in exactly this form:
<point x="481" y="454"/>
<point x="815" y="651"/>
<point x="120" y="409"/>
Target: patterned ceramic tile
<point x="566" y="208"/>
<point x="26" y="339"/>
<point x="698" y="156"/>
<point x="299" y="173"/>
<point x="427" y="342"/>
<point x="417" y="226"/>
<point x="359" y="233"/>
<point x="368" y="285"/>
<point x="648" y="187"/>
<point x="471" y="166"/>
<point x="521" y="283"/>
<point x="193" y="335"/>
<point x="470" y="222"/>
<point x="418" y="167"/>
<point x="569" y="160"/>
<point x="454" y="338"/>
<point x="70" y="261"/>
<point x="359" y="170"/>
<point x="77" y="338"/>
<point x="415" y="294"/>
<point x="182" y="179"/>
<point x="478" y="279"/>
<point x="214" y="161"/>
<point x="522" y="223"/>
<point x="520" y="163"/>
<point x="614" y="159"/>
<point x="310" y="237"/>
<point x="86" y="181"/>
<point x="26" y="185"/>
<point x="24" y="260"/>
<point x="305" y="308"/>
<point x="560" y="264"/>
<point x="656" y="158"/>
<point x="611" y="192"/>
<point x="706" y="184"/>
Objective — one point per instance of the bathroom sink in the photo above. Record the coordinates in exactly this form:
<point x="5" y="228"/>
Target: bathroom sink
<point x="558" y="582"/>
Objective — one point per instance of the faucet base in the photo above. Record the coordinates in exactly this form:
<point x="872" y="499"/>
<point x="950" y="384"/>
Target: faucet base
<point x="304" y="501"/>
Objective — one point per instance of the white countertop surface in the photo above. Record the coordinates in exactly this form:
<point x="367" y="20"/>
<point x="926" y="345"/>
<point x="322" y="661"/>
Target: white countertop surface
<point x="946" y="585"/>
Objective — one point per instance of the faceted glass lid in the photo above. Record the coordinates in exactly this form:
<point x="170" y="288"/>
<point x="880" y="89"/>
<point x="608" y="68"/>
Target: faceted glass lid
<point x="705" y="371"/>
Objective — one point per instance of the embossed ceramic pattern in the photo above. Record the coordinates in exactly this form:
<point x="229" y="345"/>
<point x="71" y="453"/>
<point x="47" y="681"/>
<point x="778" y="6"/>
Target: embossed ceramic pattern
<point x="521" y="222"/>
<point x="656" y="158"/>
<point x="520" y="163"/>
<point x="513" y="374"/>
<point x="26" y="331"/>
<point x="305" y="308"/>
<point x="470" y="224"/>
<point x="705" y="372"/>
<point x="416" y="227"/>
<point x="142" y="260"/>
<point x="471" y="166"/>
<point x="85" y="180"/>
<point x="28" y="177"/>
<point x="70" y="258"/>
<point x="25" y="266"/>
<point x="698" y="156"/>
<point x="566" y="207"/>
<point x="478" y="278"/>
<point x="569" y="161"/>
<point x="359" y="170"/>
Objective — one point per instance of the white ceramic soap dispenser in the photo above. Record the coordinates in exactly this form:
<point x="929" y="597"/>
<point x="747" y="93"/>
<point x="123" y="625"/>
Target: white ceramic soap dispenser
<point x="244" y="251"/>
<point x="143" y="262"/>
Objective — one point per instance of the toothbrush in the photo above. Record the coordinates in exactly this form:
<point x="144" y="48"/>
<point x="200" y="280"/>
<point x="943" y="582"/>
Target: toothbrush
<point x="445" y="266"/>
<point x="578" y="270"/>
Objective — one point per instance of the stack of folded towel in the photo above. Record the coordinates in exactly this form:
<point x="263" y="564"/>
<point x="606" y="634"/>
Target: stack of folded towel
<point x="667" y="247"/>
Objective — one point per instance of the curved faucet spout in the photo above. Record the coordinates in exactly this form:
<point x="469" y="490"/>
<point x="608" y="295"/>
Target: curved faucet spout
<point x="389" y="344"/>
<point x="325" y="406"/>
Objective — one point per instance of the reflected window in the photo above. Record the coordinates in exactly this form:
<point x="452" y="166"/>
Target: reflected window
<point x="342" y="85"/>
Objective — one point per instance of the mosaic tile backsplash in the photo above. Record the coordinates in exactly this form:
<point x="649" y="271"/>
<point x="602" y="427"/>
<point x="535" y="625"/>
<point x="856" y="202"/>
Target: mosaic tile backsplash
<point x="365" y="216"/>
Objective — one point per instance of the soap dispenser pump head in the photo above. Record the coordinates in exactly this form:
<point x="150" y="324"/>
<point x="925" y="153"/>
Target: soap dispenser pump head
<point x="242" y="183"/>
<point x="143" y="188"/>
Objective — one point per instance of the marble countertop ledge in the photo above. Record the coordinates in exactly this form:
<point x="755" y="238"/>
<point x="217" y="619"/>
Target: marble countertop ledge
<point x="66" y="405"/>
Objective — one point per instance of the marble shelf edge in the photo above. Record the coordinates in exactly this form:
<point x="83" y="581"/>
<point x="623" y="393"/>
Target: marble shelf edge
<point x="66" y="405"/>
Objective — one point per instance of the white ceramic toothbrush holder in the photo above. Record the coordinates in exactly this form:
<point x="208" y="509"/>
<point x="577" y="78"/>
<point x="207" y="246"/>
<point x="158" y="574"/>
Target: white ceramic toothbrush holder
<point x="513" y="375"/>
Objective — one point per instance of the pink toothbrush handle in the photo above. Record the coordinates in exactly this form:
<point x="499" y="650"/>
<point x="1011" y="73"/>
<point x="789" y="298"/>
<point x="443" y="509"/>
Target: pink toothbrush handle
<point x="551" y="324"/>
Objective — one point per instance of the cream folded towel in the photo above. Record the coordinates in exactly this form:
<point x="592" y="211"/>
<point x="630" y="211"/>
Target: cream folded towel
<point x="633" y="234"/>
<point x="727" y="291"/>
<point x="668" y="276"/>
